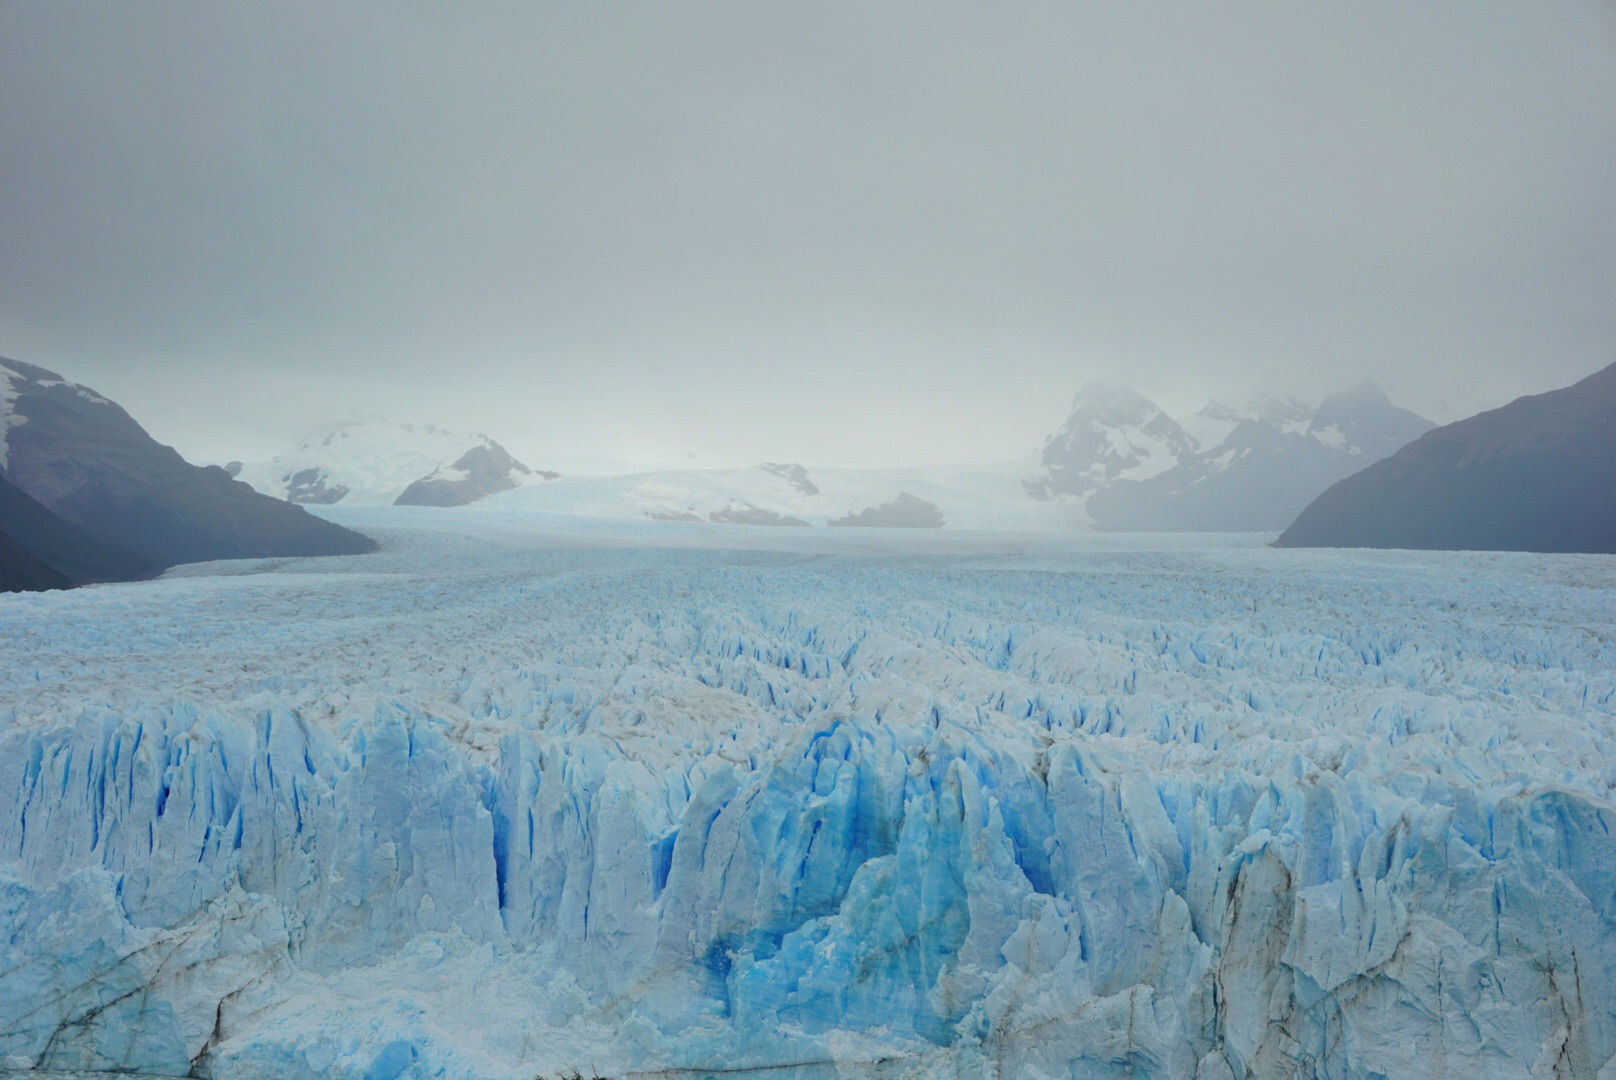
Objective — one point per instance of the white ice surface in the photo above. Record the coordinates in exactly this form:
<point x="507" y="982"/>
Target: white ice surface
<point x="980" y="497"/>
<point x="522" y="793"/>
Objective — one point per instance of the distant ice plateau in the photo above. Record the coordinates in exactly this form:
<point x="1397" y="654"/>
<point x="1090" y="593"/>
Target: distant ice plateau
<point x="521" y="794"/>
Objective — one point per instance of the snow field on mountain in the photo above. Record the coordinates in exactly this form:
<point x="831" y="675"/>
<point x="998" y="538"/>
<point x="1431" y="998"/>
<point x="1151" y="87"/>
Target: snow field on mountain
<point x="372" y="460"/>
<point x="8" y="414"/>
<point x="521" y="794"/>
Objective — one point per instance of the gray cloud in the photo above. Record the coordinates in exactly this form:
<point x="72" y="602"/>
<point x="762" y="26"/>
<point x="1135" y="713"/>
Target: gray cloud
<point x="836" y="232"/>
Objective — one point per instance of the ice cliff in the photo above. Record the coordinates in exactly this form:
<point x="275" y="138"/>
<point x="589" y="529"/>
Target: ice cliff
<point x="813" y="807"/>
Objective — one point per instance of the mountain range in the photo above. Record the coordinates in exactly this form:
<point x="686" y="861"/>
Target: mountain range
<point x="375" y="462"/>
<point x="44" y="551"/>
<point x="1136" y="469"/>
<point x="86" y="493"/>
<point x="1538" y="474"/>
<point x="1118" y="462"/>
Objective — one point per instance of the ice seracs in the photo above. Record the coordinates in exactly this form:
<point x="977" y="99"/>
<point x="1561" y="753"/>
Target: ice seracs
<point x="652" y="798"/>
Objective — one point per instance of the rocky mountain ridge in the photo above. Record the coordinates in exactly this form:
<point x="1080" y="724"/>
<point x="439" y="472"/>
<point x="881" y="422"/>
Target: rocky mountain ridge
<point x="93" y="496"/>
<point x="376" y="462"/>
<point x="1136" y="469"/>
<point x="1537" y="474"/>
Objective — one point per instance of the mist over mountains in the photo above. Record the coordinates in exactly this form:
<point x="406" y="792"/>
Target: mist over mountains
<point x="1272" y="459"/>
<point x="1117" y="463"/>
<point x="88" y="496"/>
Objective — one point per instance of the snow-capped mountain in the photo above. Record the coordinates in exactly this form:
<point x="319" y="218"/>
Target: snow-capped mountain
<point x="485" y="469"/>
<point x="1214" y="422"/>
<point x="1113" y="433"/>
<point x="1364" y="423"/>
<point x="1119" y="462"/>
<point x="374" y="461"/>
<point x="1222" y="469"/>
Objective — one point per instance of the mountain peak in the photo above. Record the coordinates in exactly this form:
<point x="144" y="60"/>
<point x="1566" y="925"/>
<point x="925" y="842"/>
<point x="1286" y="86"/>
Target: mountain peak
<point x="1364" y="421"/>
<point x="1217" y="410"/>
<point x="32" y="372"/>
<point x="381" y="430"/>
<point x="486" y="469"/>
<point x="1112" y="432"/>
<point x="373" y="460"/>
<point x="86" y="461"/>
<point x="1109" y="396"/>
<point x="1534" y="475"/>
<point x="1368" y="390"/>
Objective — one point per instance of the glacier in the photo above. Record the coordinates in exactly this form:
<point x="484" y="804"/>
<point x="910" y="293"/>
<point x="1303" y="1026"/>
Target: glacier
<point x="522" y="794"/>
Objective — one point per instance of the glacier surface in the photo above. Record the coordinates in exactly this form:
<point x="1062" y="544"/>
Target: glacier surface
<point x="520" y="795"/>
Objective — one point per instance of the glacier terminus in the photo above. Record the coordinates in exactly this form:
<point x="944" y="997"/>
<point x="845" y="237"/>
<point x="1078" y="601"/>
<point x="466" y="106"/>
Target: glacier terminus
<point x="522" y="795"/>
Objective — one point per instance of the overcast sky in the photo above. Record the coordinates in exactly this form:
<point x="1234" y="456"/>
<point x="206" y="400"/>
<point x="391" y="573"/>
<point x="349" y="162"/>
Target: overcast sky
<point x="884" y="233"/>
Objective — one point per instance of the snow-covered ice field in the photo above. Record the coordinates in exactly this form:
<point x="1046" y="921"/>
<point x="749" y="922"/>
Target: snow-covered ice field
<point x="525" y="794"/>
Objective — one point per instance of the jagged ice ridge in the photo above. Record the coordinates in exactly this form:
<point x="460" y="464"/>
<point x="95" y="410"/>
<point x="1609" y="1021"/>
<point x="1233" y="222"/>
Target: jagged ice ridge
<point x="515" y="796"/>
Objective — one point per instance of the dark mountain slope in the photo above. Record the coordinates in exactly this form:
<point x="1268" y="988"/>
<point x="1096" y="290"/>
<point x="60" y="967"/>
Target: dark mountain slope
<point x="1256" y="481"/>
<point x="1265" y="471"/>
<point x="88" y="461"/>
<point x="1538" y="474"/>
<point x="22" y="572"/>
<point x="76" y="554"/>
<point x="483" y="470"/>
